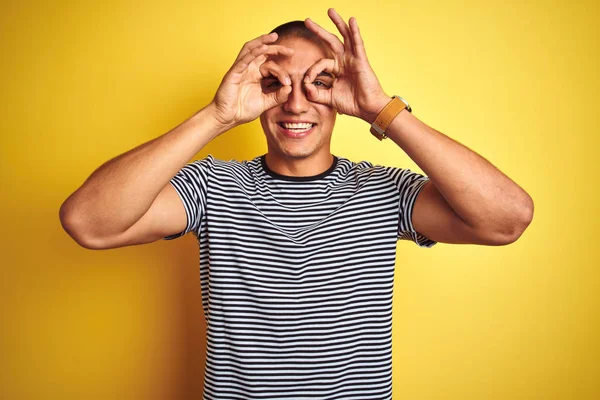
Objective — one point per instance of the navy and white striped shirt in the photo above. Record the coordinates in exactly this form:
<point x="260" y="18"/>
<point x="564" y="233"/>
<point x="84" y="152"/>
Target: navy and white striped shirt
<point x="297" y="275"/>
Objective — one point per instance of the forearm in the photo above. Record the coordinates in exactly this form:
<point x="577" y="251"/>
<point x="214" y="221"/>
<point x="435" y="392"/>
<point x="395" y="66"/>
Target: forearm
<point x="476" y="190"/>
<point x="120" y="191"/>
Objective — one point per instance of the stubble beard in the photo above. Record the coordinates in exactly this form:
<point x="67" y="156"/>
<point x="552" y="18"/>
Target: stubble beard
<point x="299" y="151"/>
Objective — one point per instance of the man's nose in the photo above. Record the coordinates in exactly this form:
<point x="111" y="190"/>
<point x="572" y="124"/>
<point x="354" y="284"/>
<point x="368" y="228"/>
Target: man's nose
<point x="297" y="103"/>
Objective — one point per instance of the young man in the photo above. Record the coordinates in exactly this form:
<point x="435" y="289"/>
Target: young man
<point x="297" y="247"/>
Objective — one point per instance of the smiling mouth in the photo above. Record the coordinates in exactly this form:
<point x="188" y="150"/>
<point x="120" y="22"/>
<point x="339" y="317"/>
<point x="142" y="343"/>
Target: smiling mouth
<point x="299" y="127"/>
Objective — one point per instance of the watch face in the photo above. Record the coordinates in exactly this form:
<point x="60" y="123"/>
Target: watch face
<point x="405" y="102"/>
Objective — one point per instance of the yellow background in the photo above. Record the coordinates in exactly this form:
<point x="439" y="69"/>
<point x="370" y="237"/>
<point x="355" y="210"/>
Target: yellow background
<point x="516" y="82"/>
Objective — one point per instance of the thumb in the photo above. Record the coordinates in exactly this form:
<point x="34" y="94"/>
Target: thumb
<point x="321" y="96"/>
<point x="278" y="97"/>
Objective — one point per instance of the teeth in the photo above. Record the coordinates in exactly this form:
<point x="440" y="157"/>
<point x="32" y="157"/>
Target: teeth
<point x="297" y="126"/>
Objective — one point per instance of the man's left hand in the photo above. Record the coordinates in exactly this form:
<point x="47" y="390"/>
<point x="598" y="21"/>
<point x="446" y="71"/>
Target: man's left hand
<point x="356" y="90"/>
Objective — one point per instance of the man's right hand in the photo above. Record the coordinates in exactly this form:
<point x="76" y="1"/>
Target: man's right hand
<point x="240" y="98"/>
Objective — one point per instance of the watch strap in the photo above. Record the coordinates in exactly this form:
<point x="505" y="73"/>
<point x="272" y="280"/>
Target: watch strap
<point x="386" y="116"/>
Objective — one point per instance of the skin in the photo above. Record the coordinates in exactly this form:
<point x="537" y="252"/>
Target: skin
<point x="128" y="199"/>
<point x="311" y="154"/>
<point x="313" y="86"/>
<point x="468" y="200"/>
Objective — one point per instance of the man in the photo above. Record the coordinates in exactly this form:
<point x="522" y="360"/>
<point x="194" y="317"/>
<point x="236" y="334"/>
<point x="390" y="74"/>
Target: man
<point x="297" y="247"/>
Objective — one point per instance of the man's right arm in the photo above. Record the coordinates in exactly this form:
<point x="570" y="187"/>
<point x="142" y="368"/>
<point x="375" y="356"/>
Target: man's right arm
<point x="129" y="199"/>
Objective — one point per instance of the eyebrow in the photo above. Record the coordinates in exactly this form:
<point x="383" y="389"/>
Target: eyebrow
<point x="322" y="73"/>
<point x="327" y="74"/>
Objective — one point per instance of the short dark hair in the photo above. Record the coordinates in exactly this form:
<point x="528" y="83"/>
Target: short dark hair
<point x="297" y="29"/>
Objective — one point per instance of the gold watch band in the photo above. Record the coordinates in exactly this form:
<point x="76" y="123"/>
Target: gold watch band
<point x="386" y="116"/>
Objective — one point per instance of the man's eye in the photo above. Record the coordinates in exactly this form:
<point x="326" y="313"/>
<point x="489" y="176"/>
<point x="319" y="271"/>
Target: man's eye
<point x="319" y="83"/>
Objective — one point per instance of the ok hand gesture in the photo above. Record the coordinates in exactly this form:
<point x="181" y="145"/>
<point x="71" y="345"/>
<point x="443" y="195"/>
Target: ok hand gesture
<point x="240" y="98"/>
<point x="356" y="90"/>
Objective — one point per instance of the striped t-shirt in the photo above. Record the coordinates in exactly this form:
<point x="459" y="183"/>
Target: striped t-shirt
<point x="297" y="275"/>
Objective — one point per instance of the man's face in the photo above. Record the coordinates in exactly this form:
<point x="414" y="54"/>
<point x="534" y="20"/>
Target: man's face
<point x="285" y="125"/>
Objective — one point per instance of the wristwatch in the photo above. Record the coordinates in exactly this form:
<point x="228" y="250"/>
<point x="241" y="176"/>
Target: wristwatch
<point x="386" y="116"/>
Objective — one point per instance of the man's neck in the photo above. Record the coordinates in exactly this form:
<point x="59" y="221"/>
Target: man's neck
<point x="309" y="166"/>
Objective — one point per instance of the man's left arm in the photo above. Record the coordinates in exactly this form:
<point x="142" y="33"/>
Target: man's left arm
<point x="468" y="200"/>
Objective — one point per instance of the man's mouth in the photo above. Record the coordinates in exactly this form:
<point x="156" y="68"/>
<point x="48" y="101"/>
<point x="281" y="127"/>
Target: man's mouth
<point x="296" y="129"/>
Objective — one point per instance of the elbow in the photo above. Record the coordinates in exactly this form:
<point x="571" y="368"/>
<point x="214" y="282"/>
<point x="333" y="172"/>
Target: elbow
<point x="517" y="227"/>
<point x="508" y="229"/>
<point x="525" y="220"/>
<point x="71" y="224"/>
<point x="528" y="214"/>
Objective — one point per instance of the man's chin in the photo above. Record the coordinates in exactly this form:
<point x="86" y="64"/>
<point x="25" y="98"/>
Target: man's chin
<point x="294" y="149"/>
<point x="297" y="154"/>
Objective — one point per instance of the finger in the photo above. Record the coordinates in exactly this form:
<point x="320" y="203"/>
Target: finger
<point x="359" y="46"/>
<point x="319" y="94"/>
<point x="277" y="49"/>
<point x="251" y="45"/>
<point x="243" y="63"/>
<point x="271" y="68"/>
<point x="324" y="64"/>
<point x="322" y="96"/>
<point x="279" y="97"/>
<point x="343" y="28"/>
<point x="329" y="38"/>
<point x="262" y="50"/>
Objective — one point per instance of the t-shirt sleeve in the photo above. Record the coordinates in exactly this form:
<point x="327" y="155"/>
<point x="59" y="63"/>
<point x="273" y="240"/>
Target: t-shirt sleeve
<point x="191" y="183"/>
<point x="409" y="184"/>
